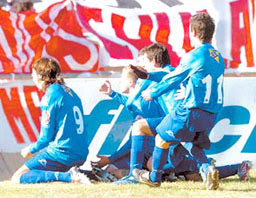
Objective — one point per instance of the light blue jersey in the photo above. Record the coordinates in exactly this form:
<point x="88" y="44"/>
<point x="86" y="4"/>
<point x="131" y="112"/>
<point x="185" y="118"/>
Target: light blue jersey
<point x="135" y="103"/>
<point x="202" y="70"/>
<point x="63" y="130"/>
<point x="167" y="100"/>
<point x="139" y="107"/>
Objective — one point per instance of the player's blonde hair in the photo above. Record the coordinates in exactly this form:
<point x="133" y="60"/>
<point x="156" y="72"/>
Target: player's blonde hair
<point x="129" y="73"/>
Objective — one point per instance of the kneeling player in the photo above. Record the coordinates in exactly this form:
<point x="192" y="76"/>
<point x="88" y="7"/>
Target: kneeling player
<point x="63" y="135"/>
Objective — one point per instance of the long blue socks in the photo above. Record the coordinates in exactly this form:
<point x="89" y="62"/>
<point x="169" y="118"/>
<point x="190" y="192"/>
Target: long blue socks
<point x="139" y="143"/>
<point x="160" y="156"/>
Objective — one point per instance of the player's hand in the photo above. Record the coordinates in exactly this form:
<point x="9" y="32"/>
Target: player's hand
<point x="140" y="72"/>
<point x="103" y="161"/>
<point x="180" y="93"/>
<point x="146" y="95"/>
<point x="106" y="88"/>
<point x="26" y="153"/>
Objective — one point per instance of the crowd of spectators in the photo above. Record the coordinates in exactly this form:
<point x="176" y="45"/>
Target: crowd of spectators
<point x="17" y="5"/>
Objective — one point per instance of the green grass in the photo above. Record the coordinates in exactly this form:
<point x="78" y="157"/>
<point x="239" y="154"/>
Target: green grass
<point x="230" y="187"/>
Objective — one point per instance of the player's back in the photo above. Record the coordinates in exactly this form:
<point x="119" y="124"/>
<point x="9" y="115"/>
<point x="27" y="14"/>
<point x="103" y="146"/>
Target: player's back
<point x="70" y="143"/>
<point x="205" y="83"/>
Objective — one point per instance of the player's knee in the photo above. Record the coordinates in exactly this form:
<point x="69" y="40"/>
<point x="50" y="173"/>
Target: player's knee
<point x="137" y="128"/>
<point x="141" y="127"/>
<point x="159" y="142"/>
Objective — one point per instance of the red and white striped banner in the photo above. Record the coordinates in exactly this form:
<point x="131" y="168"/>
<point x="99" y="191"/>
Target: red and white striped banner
<point x="54" y="32"/>
<point x="84" y="36"/>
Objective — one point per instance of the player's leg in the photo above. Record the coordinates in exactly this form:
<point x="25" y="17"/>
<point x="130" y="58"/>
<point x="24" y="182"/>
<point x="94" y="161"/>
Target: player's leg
<point x="199" y="123"/>
<point x="229" y="170"/>
<point x="146" y="146"/>
<point x="160" y="155"/>
<point x="120" y="167"/>
<point x="41" y="176"/>
<point x="167" y="132"/>
<point x="186" y="165"/>
<point x="241" y="169"/>
<point x="141" y="138"/>
<point x="118" y="173"/>
<point x="44" y="168"/>
<point x="16" y="176"/>
<point x="177" y="154"/>
<point x="178" y="162"/>
<point x="26" y="176"/>
<point x="38" y="169"/>
<point x="199" y="155"/>
<point x="167" y="140"/>
<point x="141" y="134"/>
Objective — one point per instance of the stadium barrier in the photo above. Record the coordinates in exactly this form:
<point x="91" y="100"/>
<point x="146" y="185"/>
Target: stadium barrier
<point x="108" y="123"/>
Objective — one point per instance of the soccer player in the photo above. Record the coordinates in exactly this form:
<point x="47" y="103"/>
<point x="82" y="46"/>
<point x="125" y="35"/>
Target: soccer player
<point x="63" y="137"/>
<point x="139" y="108"/>
<point x="188" y="168"/>
<point x="154" y="58"/>
<point x="178" y="161"/>
<point x="202" y="69"/>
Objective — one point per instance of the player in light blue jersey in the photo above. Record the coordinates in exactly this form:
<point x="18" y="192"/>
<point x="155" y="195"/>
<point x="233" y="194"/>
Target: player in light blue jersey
<point x="179" y="161"/>
<point x="155" y="59"/>
<point x="202" y="70"/>
<point x="62" y="143"/>
<point x="140" y="109"/>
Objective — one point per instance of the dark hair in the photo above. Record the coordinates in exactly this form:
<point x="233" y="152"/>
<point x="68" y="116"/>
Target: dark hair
<point x="48" y="70"/>
<point x="203" y="24"/>
<point x="21" y="6"/>
<point x="157" y="52"/>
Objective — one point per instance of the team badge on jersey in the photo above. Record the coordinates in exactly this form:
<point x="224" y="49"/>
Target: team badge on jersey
<point x="66" y="89"/>
<point x="214" y="54"/>
<point x="45" y="118"/>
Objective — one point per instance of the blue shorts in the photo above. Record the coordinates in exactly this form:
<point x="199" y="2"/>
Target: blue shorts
<point x="153" y="123"/>
<point x="187" y="125"/>
<point x="44" y="161"/>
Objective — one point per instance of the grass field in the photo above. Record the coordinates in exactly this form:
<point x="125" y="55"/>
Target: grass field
<point x="230" y="187"/>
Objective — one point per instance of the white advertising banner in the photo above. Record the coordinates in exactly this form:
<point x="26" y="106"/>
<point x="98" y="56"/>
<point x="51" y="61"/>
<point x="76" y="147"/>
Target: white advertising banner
<point x="108" y="122"/>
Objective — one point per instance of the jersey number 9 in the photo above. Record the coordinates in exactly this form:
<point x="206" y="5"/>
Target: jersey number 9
<point x="79" y="120"/>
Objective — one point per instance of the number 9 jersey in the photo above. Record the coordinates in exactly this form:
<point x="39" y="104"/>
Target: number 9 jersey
<point x="63" y="129"/>
<point x="202" y="70"/>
